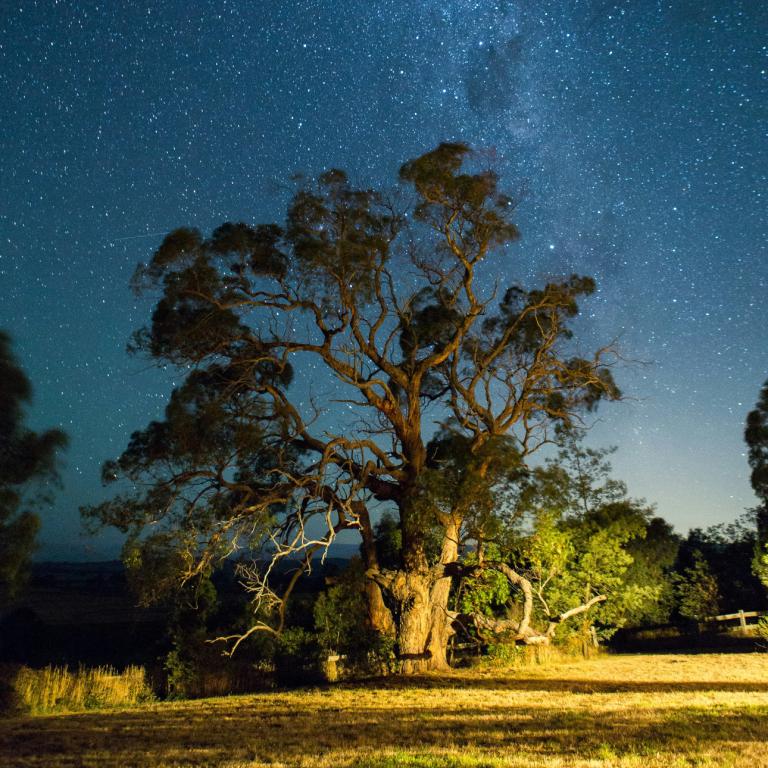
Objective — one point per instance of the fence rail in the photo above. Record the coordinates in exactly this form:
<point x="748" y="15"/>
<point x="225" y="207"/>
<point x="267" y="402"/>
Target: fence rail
<point x="742" y="617"/>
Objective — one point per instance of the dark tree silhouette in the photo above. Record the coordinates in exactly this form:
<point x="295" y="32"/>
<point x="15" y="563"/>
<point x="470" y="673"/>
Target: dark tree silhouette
<point x="383" y="299"/>
<point x="729" y="551"/>
<point x="25" y="457"/>
<point x="756" y="436"/>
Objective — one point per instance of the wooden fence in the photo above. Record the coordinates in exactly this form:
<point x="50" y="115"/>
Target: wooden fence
<point x="741" y="616"/>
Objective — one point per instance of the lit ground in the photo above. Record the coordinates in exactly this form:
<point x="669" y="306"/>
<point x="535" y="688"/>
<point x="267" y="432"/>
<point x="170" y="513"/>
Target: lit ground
<point x="644" y="711"/>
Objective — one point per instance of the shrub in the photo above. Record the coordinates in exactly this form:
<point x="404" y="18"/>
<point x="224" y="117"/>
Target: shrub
<point x="297" y="657"/>
<point x="191" y="655"/>
<point x="697" y="590"/>
<point x="508" y="655"/>
<point x="504" y="654"/>
<point x="343" y="628"/>
<point x="182" y="675"/>
<point x="762" y="632"/>
<point x="11" y="704"/>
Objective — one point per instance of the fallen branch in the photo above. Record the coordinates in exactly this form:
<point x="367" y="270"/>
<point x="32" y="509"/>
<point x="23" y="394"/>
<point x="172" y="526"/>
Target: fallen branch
<point x="519" y="630"/>
<point x="573" y="612"/>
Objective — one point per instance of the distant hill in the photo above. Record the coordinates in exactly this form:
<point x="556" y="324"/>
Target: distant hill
<point x="84" y="612"/>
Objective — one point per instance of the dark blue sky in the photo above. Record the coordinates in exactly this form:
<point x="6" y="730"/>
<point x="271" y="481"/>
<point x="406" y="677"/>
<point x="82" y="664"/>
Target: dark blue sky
<point x="637" y="128"/>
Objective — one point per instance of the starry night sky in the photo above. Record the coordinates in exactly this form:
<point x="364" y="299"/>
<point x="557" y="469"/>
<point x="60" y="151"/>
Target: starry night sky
<point x="637" y="129"/>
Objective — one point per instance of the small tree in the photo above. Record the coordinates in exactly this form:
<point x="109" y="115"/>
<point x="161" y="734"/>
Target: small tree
<point x="191" y="653"/>
<point x="697" y="592"/>
<point x="573" y="536"/>
<point x="756" y="437"/>
<point x="760" y="564"/>
<point x="26" y="456"/>
<point x="340" y="615"/>
<point x="340" y="612"/>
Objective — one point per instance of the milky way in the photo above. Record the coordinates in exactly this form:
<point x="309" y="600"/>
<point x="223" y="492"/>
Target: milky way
<point x="635" y="129"/>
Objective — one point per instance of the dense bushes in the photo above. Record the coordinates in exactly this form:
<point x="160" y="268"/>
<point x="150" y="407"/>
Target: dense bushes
<point x="342" y="626"/>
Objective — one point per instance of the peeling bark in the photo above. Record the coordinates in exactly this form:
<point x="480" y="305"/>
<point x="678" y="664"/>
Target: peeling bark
<point x="424" y="622"/>
<point x="413" y="593"/>
<point x="442" y="626"/>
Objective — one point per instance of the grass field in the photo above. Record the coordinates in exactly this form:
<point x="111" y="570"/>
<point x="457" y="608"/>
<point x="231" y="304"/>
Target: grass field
<point x="649" y="711"/>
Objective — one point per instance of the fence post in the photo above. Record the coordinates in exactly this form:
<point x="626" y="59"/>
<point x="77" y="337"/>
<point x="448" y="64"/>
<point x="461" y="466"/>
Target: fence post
<point x="742" y="621"/>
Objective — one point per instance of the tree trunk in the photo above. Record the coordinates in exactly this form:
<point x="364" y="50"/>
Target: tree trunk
<point x="412" y="592"/>
<point x="442" y="624"/>
<point x="425" y="625"/>
<point x="379" y="616"/>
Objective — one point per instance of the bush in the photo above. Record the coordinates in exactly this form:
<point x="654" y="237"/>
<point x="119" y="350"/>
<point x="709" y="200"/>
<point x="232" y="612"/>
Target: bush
<point x="504" y="654"/>
<point x="697" y="591"/>
<point x="762" y="632"/>
<point x="191" y="655"/>
<point x="509" y="655"/>
<point x="11" y="704"/>
<point x="54" y="689"/>
<point x="298" y="658"/>
<point x="182" y="675"/>
<point x="343" y="627"/>
<point x="196" y="678"/>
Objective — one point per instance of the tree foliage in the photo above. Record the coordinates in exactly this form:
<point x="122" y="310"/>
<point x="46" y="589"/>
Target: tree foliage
<point x="26" y="457"/>
<point x="760" y="564"/>
<point x="576" y="536"/>
<point x="698" y="597"/>
<point x="730" y="551"/>
<point x="756" y="436"/>
<point x="190" y="652"/>
<point x="340" y="615"/>
<point x="653" y="561"/>
<point x="390" y="300"/>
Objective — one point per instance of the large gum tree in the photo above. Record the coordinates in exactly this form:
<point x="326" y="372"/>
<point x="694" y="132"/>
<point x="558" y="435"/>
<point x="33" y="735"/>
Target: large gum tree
<point x="445" y="378"/>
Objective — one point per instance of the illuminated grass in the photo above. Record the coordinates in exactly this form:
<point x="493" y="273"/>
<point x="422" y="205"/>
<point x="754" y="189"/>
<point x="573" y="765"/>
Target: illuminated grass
<point x="627" y="711"/>
<point x="59" y="688"/>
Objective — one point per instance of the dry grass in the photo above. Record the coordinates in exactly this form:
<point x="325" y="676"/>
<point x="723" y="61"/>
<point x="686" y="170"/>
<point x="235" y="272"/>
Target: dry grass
<point x="58" y="688"/>
<point x="627" y="711"/>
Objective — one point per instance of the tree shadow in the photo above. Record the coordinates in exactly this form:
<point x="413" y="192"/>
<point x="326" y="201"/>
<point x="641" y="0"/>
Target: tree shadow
<point x="567" y="685"/>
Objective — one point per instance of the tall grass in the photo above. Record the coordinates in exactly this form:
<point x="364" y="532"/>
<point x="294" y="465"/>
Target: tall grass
<point x="508" y="656"/>
<point x="55" y="689"/>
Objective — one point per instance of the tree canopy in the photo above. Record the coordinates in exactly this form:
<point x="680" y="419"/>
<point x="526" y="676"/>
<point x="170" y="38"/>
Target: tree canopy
<point x="756" y="437"/>
<point x="26" y="456"/>
<point x="390" y="297"/>
<point x="581" y="543"/>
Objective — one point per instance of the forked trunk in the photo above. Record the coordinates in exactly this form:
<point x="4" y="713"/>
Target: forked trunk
<point x="414" y="630"/>
<point x="425" y="626"/>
